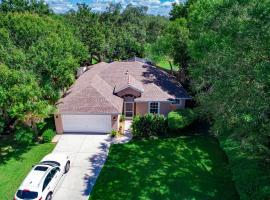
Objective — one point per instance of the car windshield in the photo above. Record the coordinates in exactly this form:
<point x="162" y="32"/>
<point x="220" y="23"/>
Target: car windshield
<point x="26" y="194"/>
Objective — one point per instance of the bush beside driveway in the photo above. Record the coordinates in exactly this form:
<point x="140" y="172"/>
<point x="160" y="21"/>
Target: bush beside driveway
<point x="15" y="163"/>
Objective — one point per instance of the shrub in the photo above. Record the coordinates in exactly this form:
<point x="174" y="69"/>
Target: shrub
<point x="48" y="135"/>
<point x="250" y="174"/>
<point x="114" y="133"/>
<point x="122" y="118"/>
<point x="24" y="135"/>
<point x="149" y="125"/>
<point x="181" y="118"/>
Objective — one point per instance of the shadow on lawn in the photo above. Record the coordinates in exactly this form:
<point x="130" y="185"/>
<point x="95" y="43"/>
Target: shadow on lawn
<point x="11" y="150"/>
<point x="176" y="168"/>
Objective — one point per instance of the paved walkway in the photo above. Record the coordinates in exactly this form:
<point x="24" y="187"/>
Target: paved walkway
<point x="88" y="154"/>
<point x="127" y="134"/>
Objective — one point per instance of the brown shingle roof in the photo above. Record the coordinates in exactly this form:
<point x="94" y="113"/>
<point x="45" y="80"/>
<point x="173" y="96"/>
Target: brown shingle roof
<point x="93" y="92"/>
<point x="128" y="81"/>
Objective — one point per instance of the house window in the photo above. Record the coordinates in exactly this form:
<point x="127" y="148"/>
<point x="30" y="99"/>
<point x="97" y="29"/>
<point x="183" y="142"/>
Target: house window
<point x="154" y="107"/>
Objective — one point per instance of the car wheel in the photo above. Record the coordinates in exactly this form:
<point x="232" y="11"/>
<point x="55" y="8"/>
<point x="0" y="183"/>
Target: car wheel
<point x="49" y="196"/>
<point x="67" y="166"/>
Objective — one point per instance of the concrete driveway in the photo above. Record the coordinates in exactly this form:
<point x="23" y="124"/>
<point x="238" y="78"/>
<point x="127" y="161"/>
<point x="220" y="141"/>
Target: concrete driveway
<point x="88" y="152"/>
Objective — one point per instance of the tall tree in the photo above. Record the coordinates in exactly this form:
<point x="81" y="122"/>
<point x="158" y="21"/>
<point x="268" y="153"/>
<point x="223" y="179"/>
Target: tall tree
<point x="39" y="56"/>
<point x="89" y="30"/>
<point x="230" y="50"/>
<point x="33" y="6"/>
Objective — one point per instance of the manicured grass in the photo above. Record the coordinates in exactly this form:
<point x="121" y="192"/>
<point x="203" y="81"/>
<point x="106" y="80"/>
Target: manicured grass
<point x="183" y="168"/>
<point x="16" y="162"/>
<point x="166" y="65"/>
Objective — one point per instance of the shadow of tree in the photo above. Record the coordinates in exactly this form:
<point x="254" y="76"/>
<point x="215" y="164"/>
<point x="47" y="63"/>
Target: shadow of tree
<point x="96" y="163"/>
<point x="164" y="81"/>
<point x="175" y="168"/>
<point x="11" y="150"/>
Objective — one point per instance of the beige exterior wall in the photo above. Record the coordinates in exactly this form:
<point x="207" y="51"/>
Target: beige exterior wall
<point x="141" y="108"/>
<point x="129" y="91"/>
<point x="115" y="122"/>
<point x="182" y="105"/>
<point x="164" y="109"/>
<point x="58" y="123"/>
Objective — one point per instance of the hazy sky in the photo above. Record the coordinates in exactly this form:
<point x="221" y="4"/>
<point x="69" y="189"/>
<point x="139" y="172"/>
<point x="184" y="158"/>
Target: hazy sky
<point x="156" y="7"/>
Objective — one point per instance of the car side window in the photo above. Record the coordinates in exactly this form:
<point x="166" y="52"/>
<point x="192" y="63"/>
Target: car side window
<point x="49" y="177"/>
<point x="53" y="172"/>
<point x="46" y="181"/>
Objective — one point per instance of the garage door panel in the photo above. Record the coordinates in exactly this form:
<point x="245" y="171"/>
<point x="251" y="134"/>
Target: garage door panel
<point x="86" y="123"/>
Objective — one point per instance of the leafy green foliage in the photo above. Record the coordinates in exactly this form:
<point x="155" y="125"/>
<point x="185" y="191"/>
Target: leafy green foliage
<point x="122" y="118"/>
<point x="24" y="135"/>
<point x="33" y="6"/>
<point x="116" y="34"/>
<point x="173" y="46"/>
<point x="181" y="118"/>
<point x="21" y="97"/>
<point x="48" y="135"/>
<point x="114" y="133"/>
<point x="230" y="54"/>
<point x="251" y="181"/>
<point x="39" y="56"/>
<point x="149" y="125"/>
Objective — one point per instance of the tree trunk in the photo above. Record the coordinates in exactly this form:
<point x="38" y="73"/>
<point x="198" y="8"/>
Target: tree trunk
<point x="170" y="62"/>
<point x="35" y="130"/>
<point x="91" y="59"/>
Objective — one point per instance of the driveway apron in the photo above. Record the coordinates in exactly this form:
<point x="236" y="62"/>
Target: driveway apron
<point x="88" y="153"/>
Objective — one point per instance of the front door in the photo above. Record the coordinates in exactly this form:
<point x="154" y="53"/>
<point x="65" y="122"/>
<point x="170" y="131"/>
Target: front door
<point x="129" y="109"/>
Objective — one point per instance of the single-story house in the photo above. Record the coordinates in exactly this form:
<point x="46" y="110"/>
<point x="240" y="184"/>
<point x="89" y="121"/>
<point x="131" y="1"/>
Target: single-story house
<point x="103" y="93"/>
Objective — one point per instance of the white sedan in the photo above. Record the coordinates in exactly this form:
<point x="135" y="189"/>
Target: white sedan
<point x="41" y="181"/>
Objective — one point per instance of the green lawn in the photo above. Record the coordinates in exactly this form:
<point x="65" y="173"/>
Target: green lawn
<point x="15" y="163"/>
<point x="186" y="168"/>
<point x="166" y="65"/>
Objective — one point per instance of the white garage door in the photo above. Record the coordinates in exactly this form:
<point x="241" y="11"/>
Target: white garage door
<point x="87" y="123"/>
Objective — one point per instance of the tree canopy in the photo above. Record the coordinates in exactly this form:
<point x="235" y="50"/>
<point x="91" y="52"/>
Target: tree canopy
<point x="230" y="49"/>
<point x="116" y="33"/>
<point x="39" y="56"/>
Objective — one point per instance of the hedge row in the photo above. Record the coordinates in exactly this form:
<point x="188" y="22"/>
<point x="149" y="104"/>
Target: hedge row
<point x="149" y="125"/>
<point x="251" y="176"/>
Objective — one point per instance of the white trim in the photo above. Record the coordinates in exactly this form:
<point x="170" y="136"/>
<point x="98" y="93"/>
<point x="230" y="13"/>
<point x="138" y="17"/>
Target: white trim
<point x="133" y="109"/>
<point x="162" y="101"/>
<point x="87" y="123"/>
<point x="149" y="103"/>
<point x="177" y="104"/>
<point x="84" y="113"/>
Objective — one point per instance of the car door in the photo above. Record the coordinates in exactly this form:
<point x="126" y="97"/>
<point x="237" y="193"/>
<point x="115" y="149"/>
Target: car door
<point x="56" y="175"/>
<point x="46" y="188"/>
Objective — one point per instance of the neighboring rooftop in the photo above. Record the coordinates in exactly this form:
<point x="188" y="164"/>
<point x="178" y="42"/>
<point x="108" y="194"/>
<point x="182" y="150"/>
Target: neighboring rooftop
<point x="94" y="91"/>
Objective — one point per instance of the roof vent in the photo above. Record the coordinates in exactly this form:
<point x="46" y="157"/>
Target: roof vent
<point x="126" y="72"/>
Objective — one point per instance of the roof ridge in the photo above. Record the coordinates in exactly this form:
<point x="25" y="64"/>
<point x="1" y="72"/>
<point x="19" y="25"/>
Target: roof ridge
<point x="105" y="97"/>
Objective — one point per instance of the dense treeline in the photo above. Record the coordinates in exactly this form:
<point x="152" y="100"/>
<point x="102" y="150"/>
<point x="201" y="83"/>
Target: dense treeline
<point x="227" y="44"/>
<point x="116" y="34"/>
<point x="39" y="56"/>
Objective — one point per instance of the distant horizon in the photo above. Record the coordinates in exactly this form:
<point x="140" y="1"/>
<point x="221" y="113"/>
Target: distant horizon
<point x="155" y="7"/>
